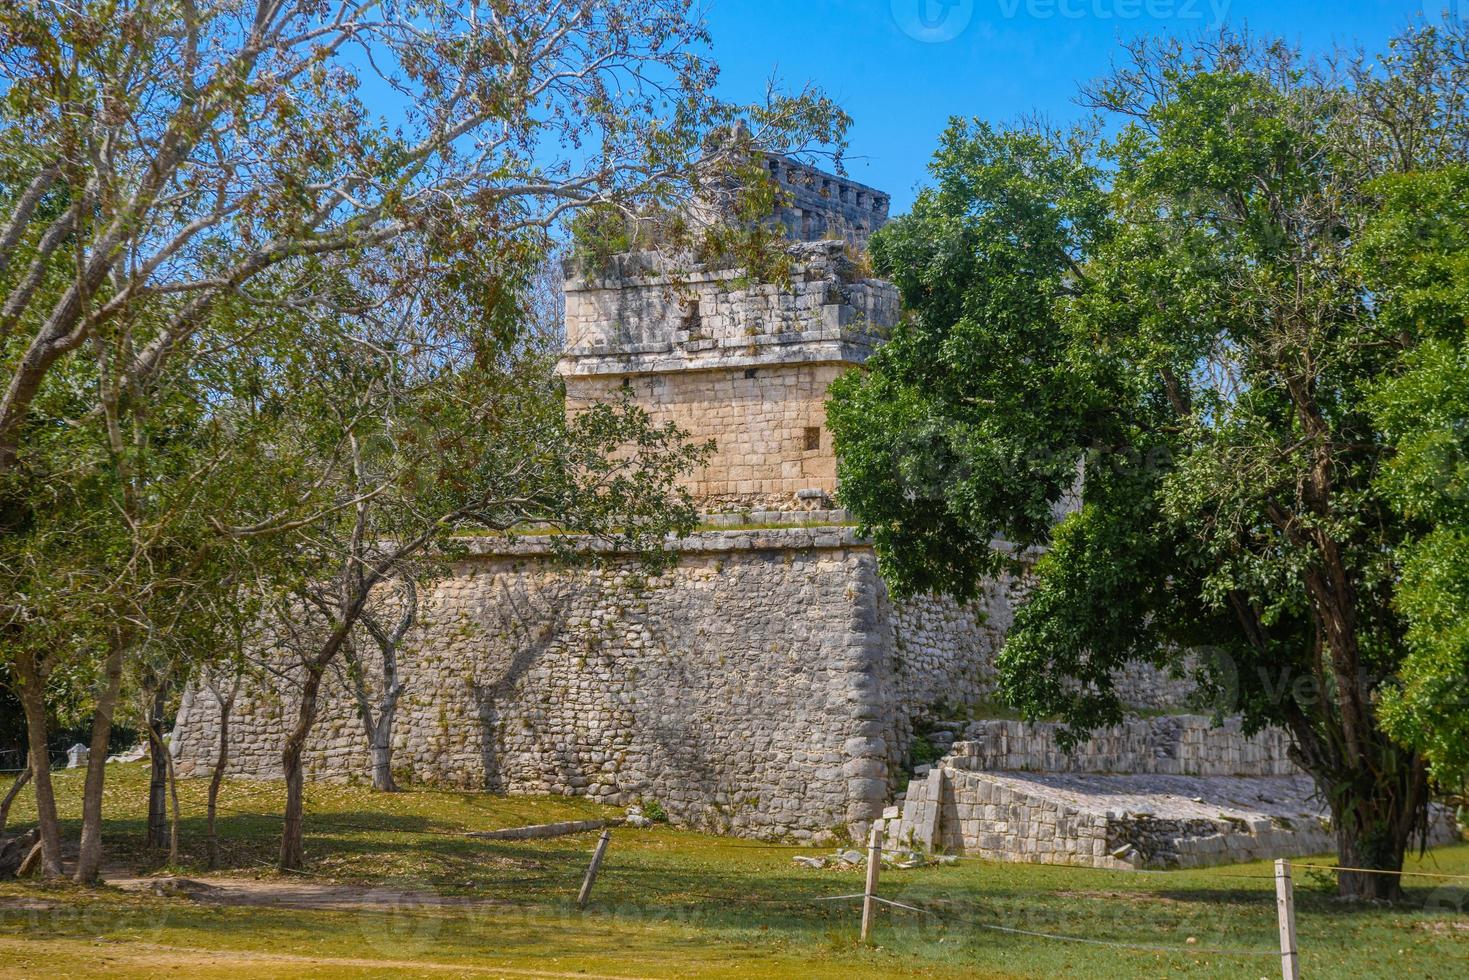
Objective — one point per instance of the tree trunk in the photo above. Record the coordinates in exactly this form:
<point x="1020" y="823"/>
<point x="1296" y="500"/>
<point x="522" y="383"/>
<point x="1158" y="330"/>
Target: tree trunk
<point x="89" y="858"/>
<point x="33" y="702"/>
<point x="157" y="773"/>
<point x="1375" y="823"/>
<point x="382" y="754"/>
<point x="221" y="761"/>
<point x="173" y="822"/>
<point x="293" y="844"/>
<point x="21" y="779"/>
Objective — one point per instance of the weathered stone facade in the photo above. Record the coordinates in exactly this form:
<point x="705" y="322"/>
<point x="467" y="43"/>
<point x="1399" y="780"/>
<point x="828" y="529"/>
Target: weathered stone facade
<point x="750" y="688"/>
<point x="1171" y="745"/>
<point x="1120" y="820"/>
<point x="747" y="365"/>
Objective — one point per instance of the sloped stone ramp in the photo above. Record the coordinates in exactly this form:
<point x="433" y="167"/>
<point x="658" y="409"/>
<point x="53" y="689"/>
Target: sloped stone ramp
<point x="1155" y="820"/>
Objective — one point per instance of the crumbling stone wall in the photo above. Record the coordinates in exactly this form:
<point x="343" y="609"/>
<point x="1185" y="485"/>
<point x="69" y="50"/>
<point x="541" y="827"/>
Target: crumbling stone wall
<point x="752" y="688"/>
<point x="745" y="364"/>
<point x="1175" y="745"/>
<point x="819" y="205"/>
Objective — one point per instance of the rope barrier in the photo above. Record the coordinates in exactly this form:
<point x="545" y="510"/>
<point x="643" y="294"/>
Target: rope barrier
<point x="900" y="905"/>
<point x="1216" y="950"/>
<point x="1380" y="871"/>
<point x="1130" y="871"/>
<point x="773" y="847"/>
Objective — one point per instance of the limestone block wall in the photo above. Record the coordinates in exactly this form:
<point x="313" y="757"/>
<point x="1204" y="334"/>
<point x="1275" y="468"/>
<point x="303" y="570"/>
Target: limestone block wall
<point x="752" y="688"/>
<point x="1120" y="821"/>
<point x="998" y="816"/>
<point x="656" y="317"/>
<point x="1188" y="745"/>
<point x="745" y="364"/>
<point x="768" y="423"/>
<point x="822" y="205"/>
<point x="932" y="638"/>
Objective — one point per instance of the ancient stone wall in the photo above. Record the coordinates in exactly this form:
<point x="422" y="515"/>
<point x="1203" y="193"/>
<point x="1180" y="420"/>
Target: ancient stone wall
<point x="934" y="640"/>
<point x="821" y="205"/>
<point x="660" y="318"/>
<point x="752" y="688"/>
<point x="1120" y="820"/>
<point x="771" y="447"/>
<point x="1176" y="745"/>
<point x="746" y="365"/>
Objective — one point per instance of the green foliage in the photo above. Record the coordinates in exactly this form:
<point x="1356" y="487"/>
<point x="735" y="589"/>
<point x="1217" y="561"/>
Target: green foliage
<point x="600" y="233"/>
<point x="1246" y="336"/>
<point x="736" y="229"/>
<point x="921" y="752"/>
<point x="747" y="238"/>
<point x="1415" y="257"/>
<point x="960" y="431"/>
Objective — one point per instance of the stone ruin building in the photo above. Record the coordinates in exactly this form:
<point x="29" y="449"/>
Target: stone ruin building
<point x="767" y="685"/>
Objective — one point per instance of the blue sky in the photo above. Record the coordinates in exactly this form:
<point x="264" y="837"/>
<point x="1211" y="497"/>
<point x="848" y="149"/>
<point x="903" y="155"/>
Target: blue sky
<point x="903" y="67"/>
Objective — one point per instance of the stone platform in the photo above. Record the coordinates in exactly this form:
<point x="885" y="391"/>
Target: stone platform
<point x="1117" y="821"/>
<point x="1089" y="816"/>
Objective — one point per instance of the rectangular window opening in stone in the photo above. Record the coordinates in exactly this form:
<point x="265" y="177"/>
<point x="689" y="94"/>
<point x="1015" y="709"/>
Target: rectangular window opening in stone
<point x="813" y="437"/>
<point x="691" y="318"/>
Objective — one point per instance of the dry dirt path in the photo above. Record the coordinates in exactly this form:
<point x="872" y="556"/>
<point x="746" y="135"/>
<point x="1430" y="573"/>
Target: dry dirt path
<point x="25" y="958"/>
<point x="294" y="894"/>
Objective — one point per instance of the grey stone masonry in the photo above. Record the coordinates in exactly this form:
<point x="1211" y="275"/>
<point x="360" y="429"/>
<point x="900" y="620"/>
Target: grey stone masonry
<point x="1172" y="745"/>
<point x="1123" y="821"/>
<point x="820" y="205"/>
<point x="1169" y="792"/>
<point x="752" y="688"/>
<point x="766" y="685"/>
<point x="644" y="316"/>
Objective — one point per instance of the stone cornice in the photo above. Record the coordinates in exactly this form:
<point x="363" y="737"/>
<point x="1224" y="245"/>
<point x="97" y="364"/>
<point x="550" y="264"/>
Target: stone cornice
<point x="812" y="347"/>
<point x="822" y="537"/>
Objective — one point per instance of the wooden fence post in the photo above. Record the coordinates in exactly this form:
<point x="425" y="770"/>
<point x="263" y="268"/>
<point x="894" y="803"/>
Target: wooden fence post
<point x="1285" y="904"/>
<point x="586" y="884"/>
<point x="874" y="863"/>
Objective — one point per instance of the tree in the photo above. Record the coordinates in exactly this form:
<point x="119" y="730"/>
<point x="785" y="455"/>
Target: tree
<point x="1178" y="311"/>
<point x="1414" y="256"/>
<point x="377" y="716"/>
<point x="200" y="146"/>
<point x="430" y="421"/>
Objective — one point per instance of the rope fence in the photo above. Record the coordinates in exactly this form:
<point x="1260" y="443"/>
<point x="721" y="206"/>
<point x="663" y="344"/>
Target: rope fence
<point x="1380" y="871"/>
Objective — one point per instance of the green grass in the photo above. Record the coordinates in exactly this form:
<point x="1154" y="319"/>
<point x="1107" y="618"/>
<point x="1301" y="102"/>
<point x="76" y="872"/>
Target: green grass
<point x="674" y="903"/>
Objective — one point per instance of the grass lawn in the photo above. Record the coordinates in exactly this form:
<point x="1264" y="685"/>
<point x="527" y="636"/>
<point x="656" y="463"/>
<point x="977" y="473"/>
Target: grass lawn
<point x="671" y="903"/>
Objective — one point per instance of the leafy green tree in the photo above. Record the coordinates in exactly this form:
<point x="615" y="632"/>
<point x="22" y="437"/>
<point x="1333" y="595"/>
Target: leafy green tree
<point x="1414" y="256"/>
<point x="428" y="416"/>
<point x="203" y="145"/>
<point x="1177" y="315"/>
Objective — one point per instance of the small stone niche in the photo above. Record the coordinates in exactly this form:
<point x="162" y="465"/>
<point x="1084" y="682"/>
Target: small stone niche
<point x="812" y="437"/>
